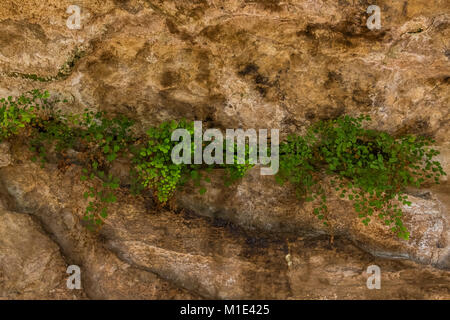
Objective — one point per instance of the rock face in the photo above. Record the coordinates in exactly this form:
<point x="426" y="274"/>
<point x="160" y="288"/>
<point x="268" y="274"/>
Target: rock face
<point x="259" y="203"/>
<point x="31" y="265"/>
<point x="146" y="254"/>
<point x="250" y="64"/>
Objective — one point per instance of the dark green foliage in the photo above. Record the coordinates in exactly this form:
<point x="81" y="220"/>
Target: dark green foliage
<point x="52" y="131"/>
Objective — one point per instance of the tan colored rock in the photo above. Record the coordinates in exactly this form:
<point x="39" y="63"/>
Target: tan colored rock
<point x="31" y="265"/>
<point x="444" y="159"/>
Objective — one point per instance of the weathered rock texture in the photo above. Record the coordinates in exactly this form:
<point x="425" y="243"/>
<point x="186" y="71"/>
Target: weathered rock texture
<point x="31" y="265"/>
<point x="5" y="156"/>
<point x="250" y="64"/>
<point x="141" y="253"/>
<point x="259" y="203"/>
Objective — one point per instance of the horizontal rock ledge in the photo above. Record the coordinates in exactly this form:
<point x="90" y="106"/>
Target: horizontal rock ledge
<point x="259" y="203"/>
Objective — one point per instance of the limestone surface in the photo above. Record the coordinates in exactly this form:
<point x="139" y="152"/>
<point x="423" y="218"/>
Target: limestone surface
<point x="231" y="64"/>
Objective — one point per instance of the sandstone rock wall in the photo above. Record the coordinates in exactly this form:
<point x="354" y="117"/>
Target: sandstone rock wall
<point x="255" y="64"/>
<point x="145" y="254"/>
